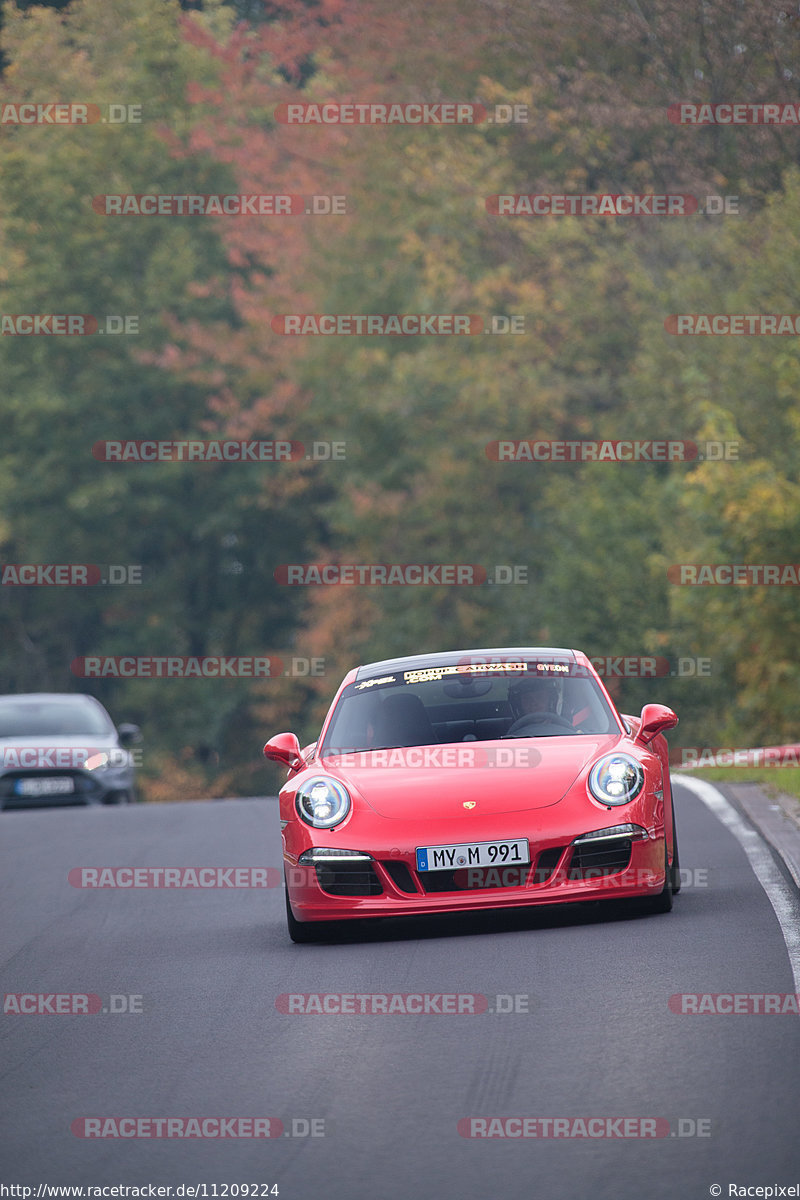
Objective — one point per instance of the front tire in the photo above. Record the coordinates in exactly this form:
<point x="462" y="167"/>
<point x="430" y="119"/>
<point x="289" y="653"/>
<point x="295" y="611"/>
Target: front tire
<point x="301" y="932"/>
<point x="662" y="903"/>
<point x="305" y="932"/>
<point x="676" y="862"/>
<point x="119" y="797"/>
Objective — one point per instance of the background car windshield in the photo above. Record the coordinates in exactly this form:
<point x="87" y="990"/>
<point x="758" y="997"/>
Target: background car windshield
<point x="43" y="718"/>
<point x="403" y="711"/>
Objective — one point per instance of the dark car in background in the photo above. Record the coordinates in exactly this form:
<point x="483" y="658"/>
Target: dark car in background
<point x="63" y="749"/>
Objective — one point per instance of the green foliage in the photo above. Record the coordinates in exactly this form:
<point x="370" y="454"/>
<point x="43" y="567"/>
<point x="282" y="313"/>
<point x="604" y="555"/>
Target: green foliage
<point x="594" y="361"/>
<point x="207" y="537"/>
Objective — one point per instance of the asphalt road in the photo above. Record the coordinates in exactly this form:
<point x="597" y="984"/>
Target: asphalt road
<point x="386" y="1092"/>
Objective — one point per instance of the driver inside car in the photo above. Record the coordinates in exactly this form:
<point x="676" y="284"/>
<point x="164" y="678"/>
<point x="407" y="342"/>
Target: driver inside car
<point x="534" y="702"/>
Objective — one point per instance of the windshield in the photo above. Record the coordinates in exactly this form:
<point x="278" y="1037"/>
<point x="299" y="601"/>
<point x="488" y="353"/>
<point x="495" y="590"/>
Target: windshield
<point x="436" y="705"/>
<point x="44" y="717"/>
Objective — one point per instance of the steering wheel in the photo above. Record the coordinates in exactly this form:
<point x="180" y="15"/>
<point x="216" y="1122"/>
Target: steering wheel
<point x="538" y="719"/>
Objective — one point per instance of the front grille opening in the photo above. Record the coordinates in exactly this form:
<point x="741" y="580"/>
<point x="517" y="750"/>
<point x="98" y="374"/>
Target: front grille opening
<point x="546" y="863"/>
<point x="474" y="879"/>
<point x="592" y="861"/>
<point x="348" y="879"/>
<point x="468" y="879"/>
<point x="400" y="876"/>
<point x="84" y="788"/>
<point x="82" y="784"/>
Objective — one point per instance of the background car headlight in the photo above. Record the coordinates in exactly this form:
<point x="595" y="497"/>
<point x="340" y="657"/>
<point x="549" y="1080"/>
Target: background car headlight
<point x="103" y="760"/>
<point x="616" y="779"/>
<point x="322" y="802"/>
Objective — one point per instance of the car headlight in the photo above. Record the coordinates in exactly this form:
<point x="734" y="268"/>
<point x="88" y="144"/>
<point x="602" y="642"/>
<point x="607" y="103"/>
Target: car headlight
<point x="322" y="802"/>
<point x="616" y="779"/>
<point x="106" y="759"/>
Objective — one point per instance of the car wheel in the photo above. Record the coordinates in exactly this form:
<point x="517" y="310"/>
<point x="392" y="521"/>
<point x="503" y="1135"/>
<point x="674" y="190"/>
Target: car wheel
<point x="301" y="932"/>
<point x="662" y="903"/>
<point x="676" y="862"/>
<point x="119" y="798"/>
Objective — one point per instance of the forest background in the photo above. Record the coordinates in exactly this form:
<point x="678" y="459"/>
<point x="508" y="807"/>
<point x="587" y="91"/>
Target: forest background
<point x="592" y="542"/>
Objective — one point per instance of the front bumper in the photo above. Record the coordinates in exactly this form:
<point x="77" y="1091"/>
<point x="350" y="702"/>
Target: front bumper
<point x="89" y="787"/>
<point x="563" y="869"/>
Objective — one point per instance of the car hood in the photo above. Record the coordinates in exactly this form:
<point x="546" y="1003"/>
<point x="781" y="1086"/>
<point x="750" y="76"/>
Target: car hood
<point x="10" y="747"/>
<point x="411" y="783"/>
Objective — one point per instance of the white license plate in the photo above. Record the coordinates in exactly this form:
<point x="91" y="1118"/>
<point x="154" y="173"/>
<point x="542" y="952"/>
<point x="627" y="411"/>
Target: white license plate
<point x="473" y="854"/>
<point x="57" y="785"/>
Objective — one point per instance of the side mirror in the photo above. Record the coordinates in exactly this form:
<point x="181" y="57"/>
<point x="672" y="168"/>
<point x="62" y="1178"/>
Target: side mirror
<point x="655" y="719"/>
<point x="284" y="748"/>
<point x="129" y="735"/>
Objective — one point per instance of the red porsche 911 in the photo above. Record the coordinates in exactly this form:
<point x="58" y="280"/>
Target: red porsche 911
<point x="467" y="780"/>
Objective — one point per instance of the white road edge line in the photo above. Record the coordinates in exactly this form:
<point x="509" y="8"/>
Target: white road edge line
<point x="780" y="895"/>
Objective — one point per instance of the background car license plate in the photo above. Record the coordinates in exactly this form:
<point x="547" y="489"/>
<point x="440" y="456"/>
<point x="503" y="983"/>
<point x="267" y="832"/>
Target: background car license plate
<point x="56" y="785"/>
<point x="473" y="854"/>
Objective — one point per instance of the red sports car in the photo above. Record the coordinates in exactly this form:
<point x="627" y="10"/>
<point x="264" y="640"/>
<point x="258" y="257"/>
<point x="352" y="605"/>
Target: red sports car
<point x="470" y="780"/>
